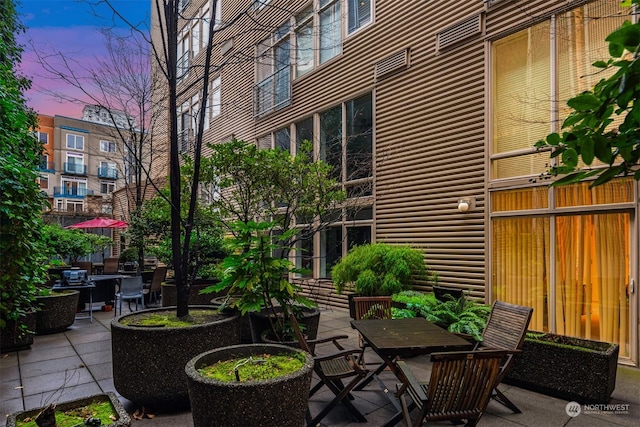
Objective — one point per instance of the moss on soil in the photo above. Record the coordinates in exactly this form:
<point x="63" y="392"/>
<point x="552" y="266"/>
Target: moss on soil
<point x="168" y="318"/>
<point x="76" y="416"/>
<point x="258" y="367"/>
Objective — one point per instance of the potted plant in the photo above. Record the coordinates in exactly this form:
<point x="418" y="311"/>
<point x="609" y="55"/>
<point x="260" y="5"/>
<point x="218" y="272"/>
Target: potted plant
<point x="566" y="367"/>
<point x="129" y="259"/>
<point x="56" y="310"/>
<point x="257" y="282"/>
<point x="242" y="386"/>
<point x="151" y="347"/>
<point x="379" y="269"/>
<point x="22" y="249"/>
<point x="105" y="407"/>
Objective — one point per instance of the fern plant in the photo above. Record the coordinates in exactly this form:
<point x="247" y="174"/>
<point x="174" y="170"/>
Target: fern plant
<point x="461" y="316"/>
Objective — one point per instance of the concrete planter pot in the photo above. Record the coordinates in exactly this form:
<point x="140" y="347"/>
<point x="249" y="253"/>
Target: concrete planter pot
<point x="277" y="402"/>
<point x="56" y="312"/>
<point x="565" y="367"/>
<point x="122" y="419"/>
<point x="148" y="362"/>
<point x="12" y="340"/>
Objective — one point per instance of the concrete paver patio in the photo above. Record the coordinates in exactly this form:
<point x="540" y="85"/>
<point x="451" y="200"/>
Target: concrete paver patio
<point x="77" y="363"/>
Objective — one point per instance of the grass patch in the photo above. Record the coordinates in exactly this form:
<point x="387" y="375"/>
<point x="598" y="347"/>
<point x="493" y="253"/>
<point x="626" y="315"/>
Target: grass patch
<point x="258" y="367"/>
<point x="76" y="416"/>
<point x="168" y="319"/>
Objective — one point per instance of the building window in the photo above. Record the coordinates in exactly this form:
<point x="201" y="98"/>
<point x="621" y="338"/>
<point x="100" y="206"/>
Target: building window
<point x="75" y="142"/>
<point x="108" y="170"/>
<point x="75" y="164"/>
<point x="358" y="14"/>
<point x="107" y="208"/>
<point x="214" y="106"/>
<point x="107" y="187"/>
<point x="359" y="138"/>
<point x="183" y="54"/>
<point x="259" y="4"/>
<point x="305" y="53"/>
<point x="331" y="140"/>
<point x="330" y="29"/>
<point x="43" y="137"/>
<point x="304" y="132"/>
<point x="44" y="183"/>
<point x="273" y="90"/>
<point x="572" y="268"/>
<point x="188" y="115"/>
<point x="108" y="146"/>
<point x="282" y="139"/>
<point x="73" y="188"/>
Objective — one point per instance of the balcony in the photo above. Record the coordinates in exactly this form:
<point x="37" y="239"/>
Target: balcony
<point x="71" y="192"/>
<point x="75" y="169"/>
<point x="49" y="167"/>
<point x="107" y="173"/>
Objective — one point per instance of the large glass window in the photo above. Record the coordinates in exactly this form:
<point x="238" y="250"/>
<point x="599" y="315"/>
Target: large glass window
<point x="359" y="138"/>
<point x="331" y="140"/>
<point x="273" y="90"/>
<point x="523" y="83"/>
<point x="330" y="249"/>
<point x="330" y="29"/>
<point x="304" y="42"/>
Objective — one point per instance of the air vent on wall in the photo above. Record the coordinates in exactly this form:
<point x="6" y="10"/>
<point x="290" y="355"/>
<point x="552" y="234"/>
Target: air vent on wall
<point x="461" y="31"/>
<point x="394" y="63"/>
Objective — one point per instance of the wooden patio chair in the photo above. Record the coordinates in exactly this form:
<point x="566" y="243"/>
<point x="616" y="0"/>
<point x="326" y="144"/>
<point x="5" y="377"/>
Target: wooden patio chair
<point x="111" y="265"/>
<point x="154" y="287"/>
<point x="331" y="370"/>
<point x="506" y="329"/>
<point x="459" y="388"/>
<point x="366" y="308"/>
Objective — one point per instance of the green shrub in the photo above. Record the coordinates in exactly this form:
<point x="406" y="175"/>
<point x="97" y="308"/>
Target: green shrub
<point x="380" y="269"/>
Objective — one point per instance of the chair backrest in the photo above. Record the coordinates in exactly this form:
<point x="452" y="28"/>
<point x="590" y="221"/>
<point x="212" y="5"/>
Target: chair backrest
<point x="461" y="383"/>
<point x="83" y="265"/>
<point x="507" y="326"/>
<point x="111" y="265"/>
<point x="299" y="335"/>
<point x="131" y="286"/>
<point x="158" y="277"/>
<point x="367" y="308"/>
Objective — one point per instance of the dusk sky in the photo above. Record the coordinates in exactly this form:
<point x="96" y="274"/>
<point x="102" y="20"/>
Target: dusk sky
<point x="72" y="27"/>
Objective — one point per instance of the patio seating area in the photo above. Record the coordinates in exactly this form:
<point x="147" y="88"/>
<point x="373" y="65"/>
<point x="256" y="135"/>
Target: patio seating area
<point x="77" y="363"/>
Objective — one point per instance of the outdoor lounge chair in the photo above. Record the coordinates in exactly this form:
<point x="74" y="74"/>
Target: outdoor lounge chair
<point x="459" y="388"/>
<point x="506" y="329"/>
<point x="331" y="370"/>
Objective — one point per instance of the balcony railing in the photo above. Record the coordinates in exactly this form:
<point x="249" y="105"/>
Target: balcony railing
<point x="73" y="192"/>
<point x="107" y="173"/>
<point x="47" y="167"/>
<point x="75" y="168"/>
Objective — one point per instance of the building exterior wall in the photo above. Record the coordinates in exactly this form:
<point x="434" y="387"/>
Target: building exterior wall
<point x="433" y="124"/>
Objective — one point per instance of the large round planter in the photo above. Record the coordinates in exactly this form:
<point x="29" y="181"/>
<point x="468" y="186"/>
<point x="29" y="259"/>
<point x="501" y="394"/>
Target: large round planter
<point x="170" y="297"/>
<point x="260" y="323"/>
<point x="122" y="419"/>
<point x="278" y="402"/>
<point x="148" y="362"/>
<point x="11" y="339"/>
<point x="56" y="312"/>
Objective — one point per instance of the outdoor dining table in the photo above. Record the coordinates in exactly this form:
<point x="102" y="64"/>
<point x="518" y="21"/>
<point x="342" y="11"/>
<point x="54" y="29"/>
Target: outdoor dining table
<point x="402" y="338"/>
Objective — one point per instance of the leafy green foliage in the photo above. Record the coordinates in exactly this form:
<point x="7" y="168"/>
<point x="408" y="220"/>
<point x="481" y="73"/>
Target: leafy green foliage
<point x="255" y="277"/>
<point x="461" y="316"/>
<point x="22" y="254"/>
<point x="379" y="269"/>
<point x="588" y="133"/>
<point x="72" y="244"/>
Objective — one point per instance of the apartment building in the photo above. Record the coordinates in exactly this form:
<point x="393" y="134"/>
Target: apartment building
<point x="82" y="165"/>
<point x="429" y="112"/>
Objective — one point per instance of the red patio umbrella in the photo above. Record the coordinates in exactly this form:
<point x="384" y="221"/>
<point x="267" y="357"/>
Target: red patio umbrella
<point x="100" y="223"/>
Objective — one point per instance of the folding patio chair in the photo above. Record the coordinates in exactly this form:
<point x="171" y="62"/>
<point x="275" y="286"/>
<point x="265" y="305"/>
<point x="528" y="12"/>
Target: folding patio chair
<point x="505" y="330"/>
<point x="331" y="370"/>
<point x="459" y="387"/>
<point x="367" y="308"/>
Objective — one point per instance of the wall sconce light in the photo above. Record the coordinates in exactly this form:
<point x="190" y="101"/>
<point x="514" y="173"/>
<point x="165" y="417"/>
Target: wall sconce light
<point x="466" y="204"/>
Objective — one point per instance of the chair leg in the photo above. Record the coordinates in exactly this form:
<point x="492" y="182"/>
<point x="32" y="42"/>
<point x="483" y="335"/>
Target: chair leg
<point x="342" y="395"/>
<point x="502" y="399"/>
